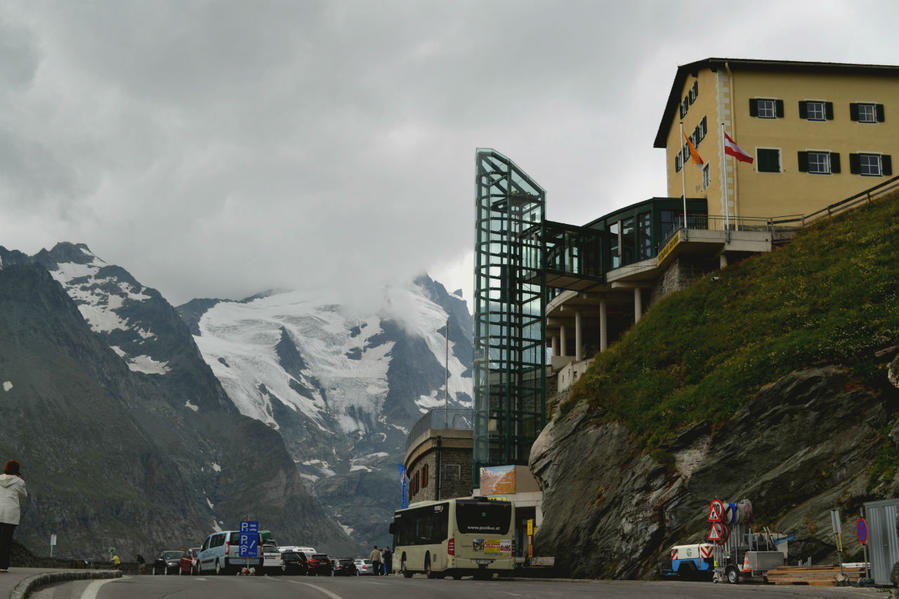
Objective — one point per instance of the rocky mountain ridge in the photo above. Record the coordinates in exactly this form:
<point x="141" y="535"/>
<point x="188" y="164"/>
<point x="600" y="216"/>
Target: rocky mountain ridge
<point x="126" y="437"/>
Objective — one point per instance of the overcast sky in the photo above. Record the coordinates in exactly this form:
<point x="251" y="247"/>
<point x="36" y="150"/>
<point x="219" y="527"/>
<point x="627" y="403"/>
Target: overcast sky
<point x="216" y="149"/>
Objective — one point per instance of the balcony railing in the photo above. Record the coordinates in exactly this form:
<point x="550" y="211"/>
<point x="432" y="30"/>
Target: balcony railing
<point x="439" y="418"/>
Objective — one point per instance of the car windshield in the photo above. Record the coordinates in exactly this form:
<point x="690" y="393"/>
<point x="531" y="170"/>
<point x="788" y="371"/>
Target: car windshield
<point x="172" y="554"/>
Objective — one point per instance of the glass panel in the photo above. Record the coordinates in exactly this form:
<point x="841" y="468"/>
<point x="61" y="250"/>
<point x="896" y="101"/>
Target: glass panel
<point x="766" y="109"/>
<point x="869" y="164"/>
<point x="627" y="241"/>
<point x="815" y="111"/>
<point x="614" y="258"/>
<point x="866" y="113"/>
<point x="476" y="517"/>
<point x="645" y="235"/>
<point x="819" y="163"/>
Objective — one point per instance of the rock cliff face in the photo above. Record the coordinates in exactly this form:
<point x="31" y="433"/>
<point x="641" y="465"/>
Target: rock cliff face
<point x="809" y="442"/>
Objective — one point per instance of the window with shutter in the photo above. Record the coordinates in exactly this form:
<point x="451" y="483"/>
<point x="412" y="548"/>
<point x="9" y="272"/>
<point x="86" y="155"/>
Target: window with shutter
<point x="828" y="111"/>
<point x="818" y="163"/>
<point x="834" y="162"/>
<point x="803" y="110"/>
<point x="886" y="164"/>
<point x="753" y="107"/>
<point x="879" y="113"/>
<point x="855" y="164"/>
<point x="866" y="113"/>
<point x="803" y="162"/>
<point x="779" y="108"/>
<point x="853" y="111"/>
<point x="768" y="160"/>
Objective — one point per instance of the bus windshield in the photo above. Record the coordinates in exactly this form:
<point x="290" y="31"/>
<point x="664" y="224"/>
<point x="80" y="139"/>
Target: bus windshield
<point x="474" y="516"/>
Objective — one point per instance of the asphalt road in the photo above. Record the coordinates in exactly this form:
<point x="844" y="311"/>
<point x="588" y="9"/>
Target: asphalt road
<point x="301" y="587"/>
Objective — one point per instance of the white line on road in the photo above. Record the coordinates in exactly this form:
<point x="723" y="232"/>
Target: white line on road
<point x="94" y="587"/>
<point x="318" y="588"/>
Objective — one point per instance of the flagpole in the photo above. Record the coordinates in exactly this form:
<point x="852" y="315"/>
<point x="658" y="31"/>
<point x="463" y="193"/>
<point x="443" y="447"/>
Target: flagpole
<point x="724" y="170"/>
<point x="683" y="181"/>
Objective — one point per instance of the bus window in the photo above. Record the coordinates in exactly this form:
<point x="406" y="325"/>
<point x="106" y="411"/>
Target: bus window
<point x="483" y="517"/>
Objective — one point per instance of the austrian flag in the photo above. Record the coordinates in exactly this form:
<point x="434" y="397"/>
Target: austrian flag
<point x="731" y="147"/>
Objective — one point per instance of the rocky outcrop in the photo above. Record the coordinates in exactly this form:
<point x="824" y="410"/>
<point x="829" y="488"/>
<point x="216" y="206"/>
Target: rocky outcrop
<point x="801" y="446"/>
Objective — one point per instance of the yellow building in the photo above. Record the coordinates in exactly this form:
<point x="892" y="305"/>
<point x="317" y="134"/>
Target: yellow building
<point x="818" y="132"/>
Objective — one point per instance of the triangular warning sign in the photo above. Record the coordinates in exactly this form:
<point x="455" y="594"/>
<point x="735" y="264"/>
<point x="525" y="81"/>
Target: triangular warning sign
<point x="716" y="531"/>
<point x="716" y="508"/>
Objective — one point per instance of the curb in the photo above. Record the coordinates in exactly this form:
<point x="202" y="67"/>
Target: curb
<point x="27" y="585"/>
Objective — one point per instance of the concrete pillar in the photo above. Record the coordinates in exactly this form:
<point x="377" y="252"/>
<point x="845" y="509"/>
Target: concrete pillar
<point x="578" y="337"/>
<point x="564" y="341"/>
<point x="638" y="305"/>
<point x="555" y="345"/>
<point x="722" y="260"/>
<point x="603" y="326"/>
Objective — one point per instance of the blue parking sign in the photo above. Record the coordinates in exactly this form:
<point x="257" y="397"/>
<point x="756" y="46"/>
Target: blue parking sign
<point x="249" y="538"/>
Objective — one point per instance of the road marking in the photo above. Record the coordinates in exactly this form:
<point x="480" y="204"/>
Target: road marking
<point x="318" y="588"/>
<point x="94" y="587"/>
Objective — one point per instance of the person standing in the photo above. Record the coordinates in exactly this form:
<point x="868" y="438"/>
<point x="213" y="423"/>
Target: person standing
<point x="387" y="556"/>
<point x="12" y="492"/>
<point x="375" y="558"/>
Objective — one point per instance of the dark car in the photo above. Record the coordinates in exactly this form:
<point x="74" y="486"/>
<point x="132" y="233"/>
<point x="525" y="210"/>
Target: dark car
<point x="294" y="563"/>
<point x="168" y="562"/>
<point x="343" y="566"/>
<point x="319" y="565"/>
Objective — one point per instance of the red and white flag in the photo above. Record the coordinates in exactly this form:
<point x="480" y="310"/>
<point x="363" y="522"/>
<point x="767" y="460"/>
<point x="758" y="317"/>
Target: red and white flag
<point x="731" y="147"/>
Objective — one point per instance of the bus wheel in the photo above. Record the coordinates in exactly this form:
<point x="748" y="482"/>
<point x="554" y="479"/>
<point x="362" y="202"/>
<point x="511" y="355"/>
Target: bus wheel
<point x="403" y="569"/>
<point x="428" y="572"/>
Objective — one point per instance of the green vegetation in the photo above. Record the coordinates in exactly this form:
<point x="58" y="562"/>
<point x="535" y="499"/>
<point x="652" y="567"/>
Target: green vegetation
<point x="830" y="296"/>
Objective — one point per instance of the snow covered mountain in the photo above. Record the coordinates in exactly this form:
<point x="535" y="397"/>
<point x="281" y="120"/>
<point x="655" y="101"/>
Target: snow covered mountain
<point x="342" y="386"/>
<point x="100" y="377"/>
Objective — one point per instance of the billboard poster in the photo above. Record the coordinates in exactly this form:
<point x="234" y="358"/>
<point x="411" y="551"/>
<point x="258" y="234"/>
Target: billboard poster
<point x="498" y="480"/>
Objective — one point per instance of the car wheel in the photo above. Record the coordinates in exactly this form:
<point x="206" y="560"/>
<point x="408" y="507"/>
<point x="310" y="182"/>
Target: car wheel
<point x="733" y="576"/>
<point x="218" y="568"/>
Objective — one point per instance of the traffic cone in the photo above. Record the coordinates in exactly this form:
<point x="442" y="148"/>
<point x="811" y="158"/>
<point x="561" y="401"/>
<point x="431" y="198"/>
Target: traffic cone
<point x="746" y="567"/>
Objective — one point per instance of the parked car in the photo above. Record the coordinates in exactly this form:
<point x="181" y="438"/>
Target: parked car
<point x="363" y="567"/>
<point x="168" y="562"/>
<point x="220" y="553"/>
<point x="343" y="566"/>
<point x="294" y="562"/>
<point x="271" y="558"/>
<point x="319" y="565"/>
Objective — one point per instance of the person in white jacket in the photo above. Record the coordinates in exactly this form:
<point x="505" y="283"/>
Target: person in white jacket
<point x="12" y="491"/>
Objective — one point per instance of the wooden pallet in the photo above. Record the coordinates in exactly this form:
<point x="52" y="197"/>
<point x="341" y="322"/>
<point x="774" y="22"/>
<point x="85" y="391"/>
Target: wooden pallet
<point x="813" y="575"/>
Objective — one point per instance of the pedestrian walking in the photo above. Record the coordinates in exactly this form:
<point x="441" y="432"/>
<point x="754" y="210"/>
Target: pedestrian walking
<point x="375" y="558"/>
<point x="12" y="492"/>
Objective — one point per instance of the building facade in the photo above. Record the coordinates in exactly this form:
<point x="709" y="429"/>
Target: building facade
<point x="818" y="132"/>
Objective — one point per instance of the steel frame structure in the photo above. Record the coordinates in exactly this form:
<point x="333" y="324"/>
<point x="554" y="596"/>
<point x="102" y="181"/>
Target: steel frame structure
<point x="510" y="329"/>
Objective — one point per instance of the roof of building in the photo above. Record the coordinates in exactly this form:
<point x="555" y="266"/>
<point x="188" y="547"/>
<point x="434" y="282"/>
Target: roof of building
<point x="735" y="64"/>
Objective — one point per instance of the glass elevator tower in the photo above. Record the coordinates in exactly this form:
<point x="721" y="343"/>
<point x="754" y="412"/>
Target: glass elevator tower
<point x="510" y="331"/>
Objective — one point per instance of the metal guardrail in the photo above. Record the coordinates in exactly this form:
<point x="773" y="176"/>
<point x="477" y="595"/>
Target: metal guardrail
<point x="865" y="197"/>
<point x="438" y="418"/>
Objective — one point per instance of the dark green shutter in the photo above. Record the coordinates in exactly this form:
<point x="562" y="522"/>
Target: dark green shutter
<point x="779" y="108"/>
<point x="853" y="111"/>
<point x="880" y="114"/>
<point x="828" y="111"/>
<point x="834" y="162"/>
<point x="803" y="162"/>
<point x="886" y="164"/>
<point x="803" y="109"/>
<point x="753" y="107"/>
<point x="855" y="166"/>
<point x="704" y="127"/>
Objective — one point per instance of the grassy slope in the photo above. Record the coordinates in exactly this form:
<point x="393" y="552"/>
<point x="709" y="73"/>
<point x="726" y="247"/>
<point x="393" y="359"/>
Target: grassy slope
<point x="830" y="296"/>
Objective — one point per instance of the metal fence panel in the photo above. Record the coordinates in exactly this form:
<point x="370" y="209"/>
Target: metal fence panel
<point x="883" y="538"/>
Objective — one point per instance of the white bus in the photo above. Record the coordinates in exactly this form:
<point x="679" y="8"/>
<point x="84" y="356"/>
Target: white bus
<point x="456" y="537"/>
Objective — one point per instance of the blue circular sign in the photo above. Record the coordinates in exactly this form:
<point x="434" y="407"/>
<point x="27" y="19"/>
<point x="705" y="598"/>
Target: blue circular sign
<point x="861" y="529"/>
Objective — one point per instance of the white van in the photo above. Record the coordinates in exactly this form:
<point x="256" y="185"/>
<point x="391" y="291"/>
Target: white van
<point x="220" y="554"/>
<point x="307" y="551"/>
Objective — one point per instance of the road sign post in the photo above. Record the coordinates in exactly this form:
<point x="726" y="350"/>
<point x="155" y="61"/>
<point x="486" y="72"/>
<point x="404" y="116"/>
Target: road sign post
<point x="837" y="533"/>
<point x="249" y="538"/>
<point x="861" y="529"/>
